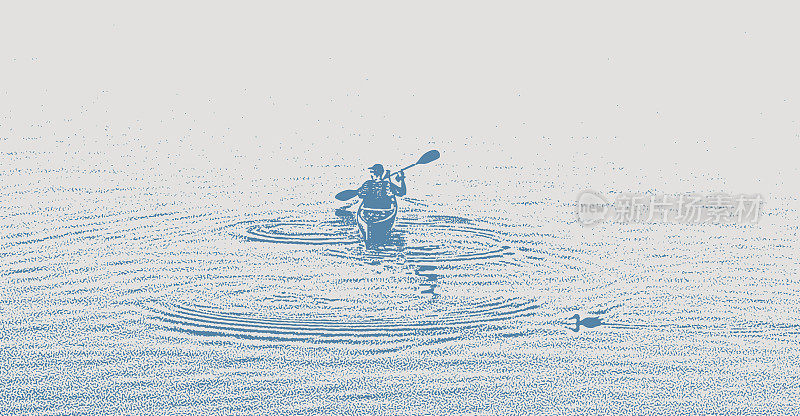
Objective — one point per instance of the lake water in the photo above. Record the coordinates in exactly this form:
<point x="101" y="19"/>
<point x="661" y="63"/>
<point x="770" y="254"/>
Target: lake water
<point x="138" y="296"/>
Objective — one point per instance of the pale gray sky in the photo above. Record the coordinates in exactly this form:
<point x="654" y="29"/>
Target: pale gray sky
<point x="610" y="95"/>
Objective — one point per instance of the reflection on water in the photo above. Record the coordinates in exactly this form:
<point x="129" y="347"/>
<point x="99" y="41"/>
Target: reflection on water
<point x="431" y="278"/>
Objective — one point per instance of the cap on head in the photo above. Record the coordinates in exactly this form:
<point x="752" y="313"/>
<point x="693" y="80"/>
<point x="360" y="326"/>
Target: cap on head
<point x="376" y="169"/>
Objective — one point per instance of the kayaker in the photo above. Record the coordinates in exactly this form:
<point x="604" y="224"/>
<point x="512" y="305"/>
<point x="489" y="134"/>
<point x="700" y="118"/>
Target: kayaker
<point x="377" y="192"/>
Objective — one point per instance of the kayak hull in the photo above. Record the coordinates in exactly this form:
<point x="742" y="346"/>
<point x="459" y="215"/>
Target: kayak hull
<point x="375" y="225"/>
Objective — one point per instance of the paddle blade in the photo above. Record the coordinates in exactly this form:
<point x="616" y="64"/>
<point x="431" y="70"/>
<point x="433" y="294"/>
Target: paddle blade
<point x="428" y="157"/>
<point x="348" y="194"/>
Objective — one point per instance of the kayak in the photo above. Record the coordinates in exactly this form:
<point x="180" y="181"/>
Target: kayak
<point x="375" y="224"/>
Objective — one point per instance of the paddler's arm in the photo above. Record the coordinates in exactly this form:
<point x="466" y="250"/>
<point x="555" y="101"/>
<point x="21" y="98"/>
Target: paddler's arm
<point x="400" y="190"/>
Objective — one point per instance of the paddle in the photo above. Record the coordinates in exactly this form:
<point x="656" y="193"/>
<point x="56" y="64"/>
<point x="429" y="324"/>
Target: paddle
<point x="428" y="157"/>
<point x="348" y="194"/>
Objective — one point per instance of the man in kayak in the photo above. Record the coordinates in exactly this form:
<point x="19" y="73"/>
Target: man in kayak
<point x="378" y="191"/>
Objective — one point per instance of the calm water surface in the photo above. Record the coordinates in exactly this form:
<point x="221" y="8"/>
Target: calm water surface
<point x="130" y="300"/>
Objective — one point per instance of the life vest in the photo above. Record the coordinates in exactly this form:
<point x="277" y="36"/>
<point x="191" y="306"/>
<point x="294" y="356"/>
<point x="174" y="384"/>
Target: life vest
<point x="376" y="194"/>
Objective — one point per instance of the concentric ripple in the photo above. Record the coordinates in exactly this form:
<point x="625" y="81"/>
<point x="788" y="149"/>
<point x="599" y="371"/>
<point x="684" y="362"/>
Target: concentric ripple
<point x="431" y="240"/>
<point x="296" y="232"/>
<point x="332" y="326"/>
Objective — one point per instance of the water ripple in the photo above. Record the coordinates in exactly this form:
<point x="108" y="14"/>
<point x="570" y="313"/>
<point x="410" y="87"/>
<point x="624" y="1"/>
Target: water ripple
<point x="333" y="326"/>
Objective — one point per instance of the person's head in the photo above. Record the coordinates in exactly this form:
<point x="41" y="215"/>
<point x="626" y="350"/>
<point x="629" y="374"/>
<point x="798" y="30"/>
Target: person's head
<point x="376" y="171"/>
